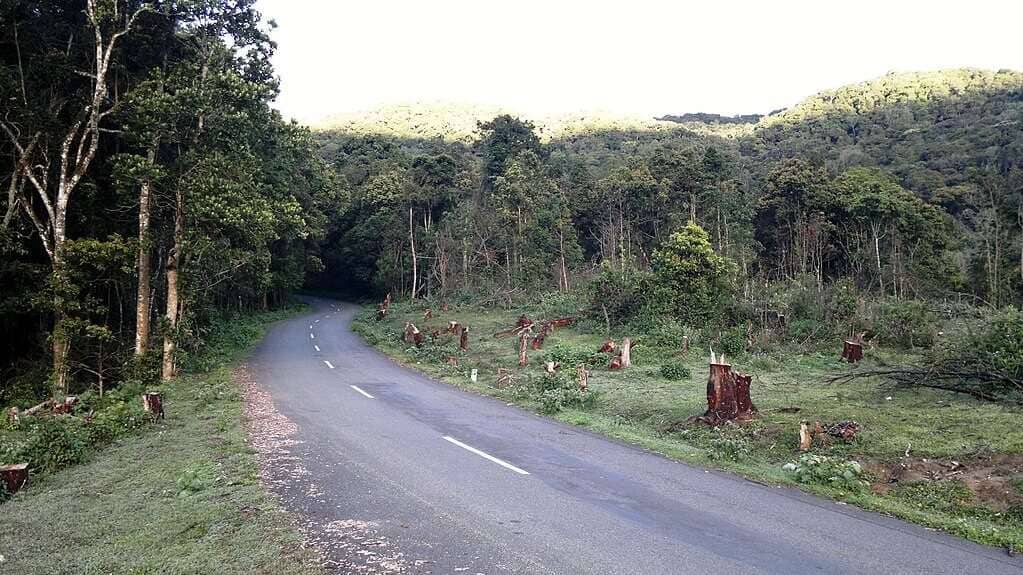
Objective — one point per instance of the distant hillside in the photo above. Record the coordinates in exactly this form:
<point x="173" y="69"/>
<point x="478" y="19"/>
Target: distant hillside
<point x="933" y="130"/>
<point x="705" y="118"/>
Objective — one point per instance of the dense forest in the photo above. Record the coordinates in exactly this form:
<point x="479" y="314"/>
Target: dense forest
<point x="150" y="186"/>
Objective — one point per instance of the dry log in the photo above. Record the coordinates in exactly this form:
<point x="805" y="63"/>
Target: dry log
<point x="14" y="476"/>
<point x="428" y="314"/>
<point x="523" y="321"/>
<point x="560" y="322"/>
<point x="503" y="377"/>
<point x="66" y="406"/>
<point x="463" y="340"/>
<point x="152" y="403"/>
<point x="852" y="351"/>
<point x="37" y="408"/>
<point x="583" y="377"/>
<point x="523" y="341"/>
<point x="608" y="346"/>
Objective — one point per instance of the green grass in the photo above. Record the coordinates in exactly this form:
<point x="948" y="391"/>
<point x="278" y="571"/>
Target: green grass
<point x="181" y="496"/>
<point x="642" y="407"/>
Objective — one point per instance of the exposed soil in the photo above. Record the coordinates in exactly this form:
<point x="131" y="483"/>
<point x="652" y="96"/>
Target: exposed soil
<point x="990" y="478"/>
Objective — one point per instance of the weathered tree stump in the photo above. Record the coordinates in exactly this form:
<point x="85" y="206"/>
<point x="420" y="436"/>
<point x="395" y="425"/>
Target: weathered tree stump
<point x="66" y="406"/>
<point x="13" y="415"/>
<point x="608" y="346"/>
<point x="728" y="395"/>
<point x="152" y="403"/>
<point x="615" y="363"/>
<point x="685" y="344"/>
<point x="428" y="314"/>
<point x="452" y="361"/>
<point x="381" y="312"/>
<point x="808" y="436"/>
<point x="551" y="367"/>
<point x="583" y="377"/>
<point x="852" y="351"/>
<point x="444" y="307"/>
<point x="14" y="476"/>
<point x="454" y="327"/>
<point x="626" y="352"/>
<point x="523" y="344"/>
<point x="805" y="437"/>
<point x="463" y="340"/>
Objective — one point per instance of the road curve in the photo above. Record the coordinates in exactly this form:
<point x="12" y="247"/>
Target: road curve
<point x="402" y="473"/>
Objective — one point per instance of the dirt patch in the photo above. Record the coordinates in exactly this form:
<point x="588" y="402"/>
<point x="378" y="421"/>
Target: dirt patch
<point x="346" y="546"/>
<point x="991" y="479"/>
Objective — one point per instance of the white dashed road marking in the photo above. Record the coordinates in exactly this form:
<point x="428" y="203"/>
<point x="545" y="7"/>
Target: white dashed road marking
<point x="317" y="347"/>
<point x="330" y="365"/>
<point x="487" y="456"/>
<point x="359" y="389"/>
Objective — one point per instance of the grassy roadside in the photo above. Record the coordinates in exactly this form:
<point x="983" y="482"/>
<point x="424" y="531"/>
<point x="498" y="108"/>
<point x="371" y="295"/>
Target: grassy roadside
<point x="938" y="459"/>
<point x="180" y="496"/>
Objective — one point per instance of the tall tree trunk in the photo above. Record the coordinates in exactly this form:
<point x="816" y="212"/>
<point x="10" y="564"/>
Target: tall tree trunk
<point x="412" y="243"/>
<point x="173" y="289"/>
<point x="143" y="306"/>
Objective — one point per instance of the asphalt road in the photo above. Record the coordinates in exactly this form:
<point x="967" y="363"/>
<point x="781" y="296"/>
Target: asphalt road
<point x="399" y="473"/>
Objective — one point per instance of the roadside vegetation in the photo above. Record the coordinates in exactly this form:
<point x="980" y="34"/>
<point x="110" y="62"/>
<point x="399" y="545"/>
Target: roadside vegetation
<point x="113" y="491"/>
<point x="943" y="459"/>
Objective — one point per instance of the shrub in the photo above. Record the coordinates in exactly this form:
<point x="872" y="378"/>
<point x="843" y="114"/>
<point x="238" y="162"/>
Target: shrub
<point x="621" y="295"/>
<point x="733" y="341"/>
<point x="557" y="392"/>
<point x="195" y="478"/>
<point x="675" y="371"/>
<point x="729" y="448"/>
<point x="690" y="280"/>
<point x="569" y="356"/>
<point x="830" y="471"/>
<point x="906" y="324"/>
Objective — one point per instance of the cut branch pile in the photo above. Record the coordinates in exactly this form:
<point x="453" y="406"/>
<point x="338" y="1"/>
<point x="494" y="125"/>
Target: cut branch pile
<point x="959" y="376"/>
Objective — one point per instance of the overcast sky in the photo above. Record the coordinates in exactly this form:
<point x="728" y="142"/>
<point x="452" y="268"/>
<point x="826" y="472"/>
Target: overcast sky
<point x="630" y="56"/>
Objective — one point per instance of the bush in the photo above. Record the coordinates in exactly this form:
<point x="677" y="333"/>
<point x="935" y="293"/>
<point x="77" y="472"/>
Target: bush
<point x="690" y="280"/>
<point x="569" y="356"/>
<point x="732" y="341"/>
<point x="729" y="448"/>
<point x="557" y="392"/>
<point x="675" y="371"/>
<point x="621" y="295"/>
<point x="906" y="324"/>
<point x="830" y="471"/>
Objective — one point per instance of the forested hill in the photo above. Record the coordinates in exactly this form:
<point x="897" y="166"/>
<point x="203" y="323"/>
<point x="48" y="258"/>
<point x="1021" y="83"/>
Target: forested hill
<point x="949" y="138"/>
<point x="933" y="130"/>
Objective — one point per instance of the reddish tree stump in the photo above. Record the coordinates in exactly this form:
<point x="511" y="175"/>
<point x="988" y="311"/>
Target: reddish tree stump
<point x="852" y="351"/>
<point x="453" y="327"/>
<point x="608" y="346"/>
<point x="66" y="406"/>
<point x="152" y="403"/>
<point x="615" y="363"/>
<point x="728" y="395"/>
<point x="14" y="476"/>
<point x="463" y="340"/>
<point x="523" y="321"/>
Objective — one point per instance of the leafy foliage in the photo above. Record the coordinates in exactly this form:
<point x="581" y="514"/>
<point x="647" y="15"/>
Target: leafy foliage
<point x="830" y="471"/>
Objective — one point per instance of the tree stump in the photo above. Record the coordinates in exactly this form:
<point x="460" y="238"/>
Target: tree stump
<point x="852" y="351"/>
<point x="615" y="363"/>
<point x="728" y="395"/>
<point x="452" y="361"/>
<point x="685" y="344"/>
<point x="523" y="321"/>
<point x="626" y="352"/>
<point x="463" y="340"/>
<point x="12" y="415"/>
<point x="428" y="314"/>
<point x="608" y="346"/>
<point x="523" y="341"/>
<point x="551" y="367"/>
<point x="66" y="406"/>
<point x="805" y="437"/>
<point x="152" y="403"/>
<point x="14" y="476"/>
<point x="444" y="307"/>
<point x="381" y="312"/>
<point x="583" y="377"/>
<point x="453" y="327"/>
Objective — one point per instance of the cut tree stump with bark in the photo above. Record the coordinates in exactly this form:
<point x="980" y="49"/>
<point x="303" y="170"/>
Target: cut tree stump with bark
<point x="452" y="361"/>
<point x="852" y="351"/>
<point x="523" y="344"/>
<point x="607" y="347"/>
<point x="583" y="377"/>
<point x="551" y="367"/>
<point x="453" y="327"/>
<point x="381" y="312"/>
<point x="626" y="352"/>
<point x="66" y="406"/>
<point x="428" y="314"/>
<point x="685" y="344"/>
<point x="463" y="339"/>
<point x="14" y="476"/>
<point x="444" y="307"/>
<point x="152" y="403"/>
<point x="728" y="395"/>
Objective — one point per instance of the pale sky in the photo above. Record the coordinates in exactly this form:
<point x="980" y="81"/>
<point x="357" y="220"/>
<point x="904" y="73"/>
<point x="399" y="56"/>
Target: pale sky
<point x="631" y="56"/>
